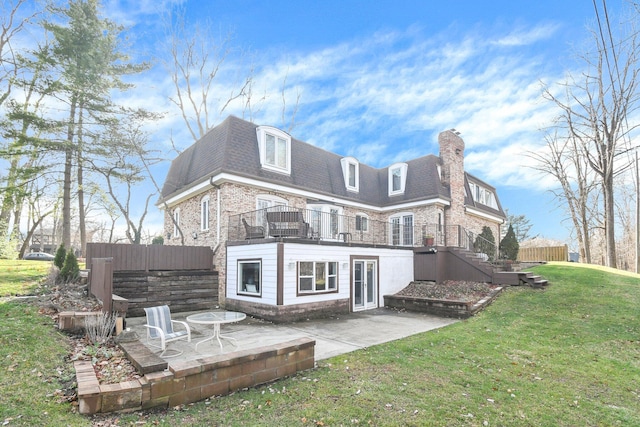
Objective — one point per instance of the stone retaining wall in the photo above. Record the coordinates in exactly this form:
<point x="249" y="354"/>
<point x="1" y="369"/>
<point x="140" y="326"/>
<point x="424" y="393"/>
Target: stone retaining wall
<point x="191" y="381"/>
<point x="439" y="307"/>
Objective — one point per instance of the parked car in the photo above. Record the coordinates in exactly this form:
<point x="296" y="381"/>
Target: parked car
<point x="39" y="256"/>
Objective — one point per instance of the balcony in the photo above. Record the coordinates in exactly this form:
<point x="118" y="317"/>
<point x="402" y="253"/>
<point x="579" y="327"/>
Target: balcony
<point x="307" y="225"/>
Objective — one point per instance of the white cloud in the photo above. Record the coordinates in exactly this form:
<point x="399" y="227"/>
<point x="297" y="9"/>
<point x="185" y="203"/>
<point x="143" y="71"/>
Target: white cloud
<point x="385" y="98"/>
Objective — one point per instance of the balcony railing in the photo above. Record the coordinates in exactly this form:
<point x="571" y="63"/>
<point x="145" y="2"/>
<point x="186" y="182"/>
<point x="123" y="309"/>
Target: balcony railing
<point x="292" y="223"/>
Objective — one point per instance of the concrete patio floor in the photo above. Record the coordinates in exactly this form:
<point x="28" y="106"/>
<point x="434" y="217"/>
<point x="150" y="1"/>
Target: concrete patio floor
<point x="334" y="336"/>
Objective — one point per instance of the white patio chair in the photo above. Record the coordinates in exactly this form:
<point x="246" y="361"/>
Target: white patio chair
<point x="160" y="327"/>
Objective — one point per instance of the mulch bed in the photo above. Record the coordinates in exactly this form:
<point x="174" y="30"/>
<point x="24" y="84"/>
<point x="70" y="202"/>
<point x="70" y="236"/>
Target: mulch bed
<point x="109" y="361"/>
<point x="449" y="290"/>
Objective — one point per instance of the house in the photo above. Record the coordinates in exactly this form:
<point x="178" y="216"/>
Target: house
<point x="298" y="231"/>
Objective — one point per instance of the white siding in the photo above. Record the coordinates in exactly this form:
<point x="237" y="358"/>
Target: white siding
<point x="268" y="254"/>
<point x="395" y="268"/>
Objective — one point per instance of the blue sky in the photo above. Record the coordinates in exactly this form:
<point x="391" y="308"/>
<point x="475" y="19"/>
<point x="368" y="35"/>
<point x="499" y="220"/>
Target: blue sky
<point x="379" y="80"/>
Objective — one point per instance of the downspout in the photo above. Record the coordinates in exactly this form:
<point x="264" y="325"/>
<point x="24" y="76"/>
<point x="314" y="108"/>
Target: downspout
<point x="217" y="187"/>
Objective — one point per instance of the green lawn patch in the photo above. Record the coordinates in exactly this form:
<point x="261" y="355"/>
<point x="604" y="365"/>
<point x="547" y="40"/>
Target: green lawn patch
<point x="21" y="277"/>
<point x="568" y="355"/>
<point x="565" y="356"/>
<point x="33" y="370"/>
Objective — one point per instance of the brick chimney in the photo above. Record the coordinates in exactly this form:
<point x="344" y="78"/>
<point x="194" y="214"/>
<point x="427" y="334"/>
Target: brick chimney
<point x="452" y="158"/>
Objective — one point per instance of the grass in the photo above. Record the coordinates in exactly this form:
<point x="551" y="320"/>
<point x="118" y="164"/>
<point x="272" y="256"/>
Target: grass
<point x="21" y="277"/>
<point x="565" y="356"/>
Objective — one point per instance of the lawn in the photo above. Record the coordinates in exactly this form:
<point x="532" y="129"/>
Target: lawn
<point x="567" y="356"/>
<point x="21" y="277"/>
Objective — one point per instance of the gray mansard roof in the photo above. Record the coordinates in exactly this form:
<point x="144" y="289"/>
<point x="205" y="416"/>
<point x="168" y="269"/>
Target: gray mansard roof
<point x="232" y="148"/>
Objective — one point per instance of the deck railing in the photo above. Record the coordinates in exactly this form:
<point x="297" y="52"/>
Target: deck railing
<point x="287" y="222"/>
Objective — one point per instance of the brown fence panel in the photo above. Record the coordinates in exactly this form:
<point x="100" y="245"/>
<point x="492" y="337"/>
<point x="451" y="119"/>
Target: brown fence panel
<point x="127" y="257"/>
<point x="101" y="281"/>
<point x="162" y="257"/>
<point x="549" y="253"/>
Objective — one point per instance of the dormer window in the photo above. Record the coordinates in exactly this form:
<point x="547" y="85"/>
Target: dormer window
<point x="275" y="149"/>
<point x="483" y="195"/>
<point x="351" y="173"/>
<point x="397" y="178"/>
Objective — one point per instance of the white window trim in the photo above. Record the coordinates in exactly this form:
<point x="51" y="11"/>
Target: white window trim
<point x="327" y="275"/>
<point x="261" y="133"/>
<point x="362" y="216"/>
<point x="323" y="222"/>
<point x="205" y="218"/>
<point x="258" y="292"/>
<point x="346" y="162"/>
<point x="176" y="222"/>
<point x="270" y="198"/>
<point x="401" y="216"/>
<point x="483" y="195"/>
<point x="403" y="178"/>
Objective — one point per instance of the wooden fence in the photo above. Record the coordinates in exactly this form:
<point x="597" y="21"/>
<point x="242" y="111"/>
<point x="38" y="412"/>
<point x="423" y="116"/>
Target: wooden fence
<point x="128" y="257"/>
<point x="549" y="253"/>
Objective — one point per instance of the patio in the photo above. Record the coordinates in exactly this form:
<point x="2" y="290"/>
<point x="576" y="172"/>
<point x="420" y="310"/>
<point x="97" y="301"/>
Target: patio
<point x="334" y="336"/>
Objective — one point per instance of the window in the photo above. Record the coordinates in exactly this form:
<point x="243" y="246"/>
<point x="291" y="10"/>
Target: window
<point x="314" y="277"/>
<point x="397" y="178"/>
<point x="250" y="277"/>
<point x="351" y="173"/>
<point x="176" y="222"/>
<point x="396" y="175"/>
<point x="483" y="195"/>
<point x="275" y="149"/>
<point x="326" y="220"/>
<point x="204" y="213"/>
<point x="362" y="223"/>
<point x="402" y="229"/>
<point x="264" y="202"/>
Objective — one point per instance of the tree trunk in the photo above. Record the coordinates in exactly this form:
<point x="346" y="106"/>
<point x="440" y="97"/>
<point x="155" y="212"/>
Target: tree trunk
<point x="81" y="212"/>
<point x="609" y="224"/>
<point x="66" y="185"/>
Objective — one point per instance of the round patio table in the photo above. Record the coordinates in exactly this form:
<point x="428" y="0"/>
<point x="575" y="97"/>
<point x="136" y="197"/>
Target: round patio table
<point x="216" y="318"/>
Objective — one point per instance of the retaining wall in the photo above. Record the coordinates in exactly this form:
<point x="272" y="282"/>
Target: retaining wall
<point x="191" y="381"/>
<point x="439" y="307"/>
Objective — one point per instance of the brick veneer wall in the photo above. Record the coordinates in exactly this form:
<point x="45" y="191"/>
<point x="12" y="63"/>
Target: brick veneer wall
<point x="452" y="156"/>
<point x="236" y="199"/>
<point x="191" y="381"/>
<point x="290" y="313"/>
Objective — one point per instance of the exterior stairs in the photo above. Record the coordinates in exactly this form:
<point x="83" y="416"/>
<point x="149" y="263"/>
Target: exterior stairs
<point x="499" y="277"/>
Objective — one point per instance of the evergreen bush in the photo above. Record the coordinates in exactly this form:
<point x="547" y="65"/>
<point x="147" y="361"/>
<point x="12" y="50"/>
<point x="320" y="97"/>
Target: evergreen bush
<point x="509" y="245"/>
<point x="61" y="255"/>
<point x="70" y="271"/>
<point x="485" y="243"/>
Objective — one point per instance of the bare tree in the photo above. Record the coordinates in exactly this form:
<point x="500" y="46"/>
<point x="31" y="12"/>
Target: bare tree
<point x="195" y="63"/>
<point x="10" y="25"/>
<point x="120" y="152"/>
<point x="564" y="160"/>
<point x="594" y="114"/>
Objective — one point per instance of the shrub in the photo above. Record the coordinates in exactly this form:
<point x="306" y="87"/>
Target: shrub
<point x="70" y="271"/>
<point x="61" y="254"/>
<point x="8" y="248"/>
<point x="99" y="327"/>
<point x="158" y="240"/>
<point x="485" y="243"/>
<point x="509" y="245"/>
